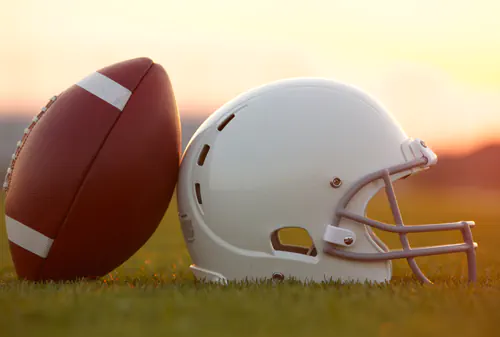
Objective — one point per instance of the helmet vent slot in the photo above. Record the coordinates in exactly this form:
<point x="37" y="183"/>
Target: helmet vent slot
<point x="197" y="189"/>
<point x="225" y="122"/>
<point x="203" y="154"/>
<point x="294" y="240"/>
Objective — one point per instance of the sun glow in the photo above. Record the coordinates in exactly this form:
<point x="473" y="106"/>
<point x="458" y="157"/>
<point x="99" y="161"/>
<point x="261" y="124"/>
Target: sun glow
<point x="434" y="64"/>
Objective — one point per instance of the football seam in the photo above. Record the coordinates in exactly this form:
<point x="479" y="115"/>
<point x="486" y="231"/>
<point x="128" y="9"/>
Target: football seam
<point x="86" y="173"/>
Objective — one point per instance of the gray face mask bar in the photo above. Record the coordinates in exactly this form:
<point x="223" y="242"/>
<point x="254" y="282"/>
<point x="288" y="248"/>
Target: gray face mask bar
<point x="408" y="253"/>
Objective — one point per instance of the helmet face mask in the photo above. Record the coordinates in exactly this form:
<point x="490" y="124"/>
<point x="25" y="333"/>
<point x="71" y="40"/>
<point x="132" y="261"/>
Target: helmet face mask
<point x="467" y="247"/>
<point x="307" y="153"/>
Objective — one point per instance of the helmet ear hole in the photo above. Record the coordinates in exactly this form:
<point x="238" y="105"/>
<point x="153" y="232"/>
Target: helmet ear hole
<point x="294" y="240"/>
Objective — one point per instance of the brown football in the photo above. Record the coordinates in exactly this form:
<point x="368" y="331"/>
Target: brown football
<point x="94" y="173"/>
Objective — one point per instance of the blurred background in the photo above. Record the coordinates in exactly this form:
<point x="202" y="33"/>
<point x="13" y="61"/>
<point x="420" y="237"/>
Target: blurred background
<point x="433" y="63"/>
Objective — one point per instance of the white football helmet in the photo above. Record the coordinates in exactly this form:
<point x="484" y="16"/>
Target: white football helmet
<point x="306" y="153"/>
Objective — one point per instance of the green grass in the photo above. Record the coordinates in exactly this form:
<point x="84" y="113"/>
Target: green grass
<point x="154" y="294"/>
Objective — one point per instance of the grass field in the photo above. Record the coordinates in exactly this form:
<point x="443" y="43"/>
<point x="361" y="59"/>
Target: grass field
<point x="154" y="294"/>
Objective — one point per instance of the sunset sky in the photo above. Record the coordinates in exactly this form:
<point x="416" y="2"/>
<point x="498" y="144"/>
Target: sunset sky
<point x="435" y="64"/>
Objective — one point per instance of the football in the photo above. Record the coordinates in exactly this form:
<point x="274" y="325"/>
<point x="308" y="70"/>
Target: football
<point x="93" y="174"/>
